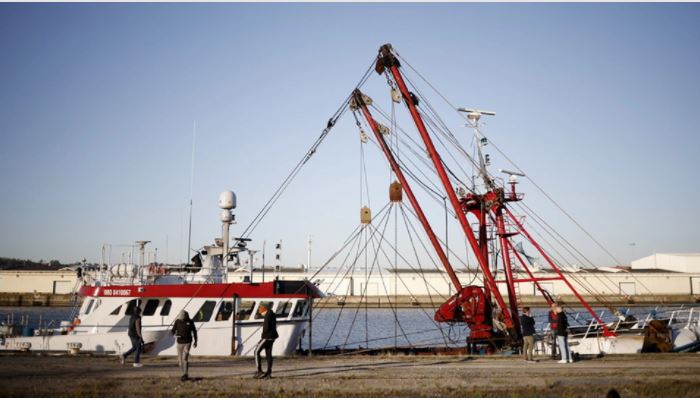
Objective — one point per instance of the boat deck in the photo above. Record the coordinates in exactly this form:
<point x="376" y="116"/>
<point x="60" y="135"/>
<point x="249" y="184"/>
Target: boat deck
<point x="652" y="375"/>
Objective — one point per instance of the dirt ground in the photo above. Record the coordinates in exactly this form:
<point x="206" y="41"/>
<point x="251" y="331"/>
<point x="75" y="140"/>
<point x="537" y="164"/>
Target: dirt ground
<point x="661" y="375"/>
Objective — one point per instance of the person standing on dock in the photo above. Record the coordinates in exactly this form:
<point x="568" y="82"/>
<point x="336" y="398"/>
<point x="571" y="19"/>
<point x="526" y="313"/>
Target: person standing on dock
<point x="553" y="327"/>
<point x="136" y="338"/>
<point x="562" y="330"/>
<point x="267" y="338"/>
<point x="528" y="327"/>
<point x="185" y="331"/>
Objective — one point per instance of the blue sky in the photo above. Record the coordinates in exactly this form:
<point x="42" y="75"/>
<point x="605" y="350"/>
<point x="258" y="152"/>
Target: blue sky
<point x="597" y="102"/>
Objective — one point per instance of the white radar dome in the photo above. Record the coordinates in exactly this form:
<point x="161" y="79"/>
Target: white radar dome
<point x="227" y="200"/>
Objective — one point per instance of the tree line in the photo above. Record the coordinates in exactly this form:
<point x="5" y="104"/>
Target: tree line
<point x="11" y="263"/>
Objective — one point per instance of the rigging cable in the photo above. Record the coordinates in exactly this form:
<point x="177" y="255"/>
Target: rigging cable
<point x="297" y="168"/>
<point x="519" y="168"/>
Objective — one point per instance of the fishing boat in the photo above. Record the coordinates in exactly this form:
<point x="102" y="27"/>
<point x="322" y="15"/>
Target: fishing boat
<point x="433" y="160"/>
<point x="432" y="164"/>
<point x="225" y="313"/>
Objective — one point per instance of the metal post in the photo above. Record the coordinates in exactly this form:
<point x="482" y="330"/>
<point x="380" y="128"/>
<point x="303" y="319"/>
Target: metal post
<point x="311" y="323"/>
<point x="308" y="254"/>
<point x="225" y="249"/>
<point x="251" y="255"/>
<point x="234" y="341"/>
<point x="512" y="299"/>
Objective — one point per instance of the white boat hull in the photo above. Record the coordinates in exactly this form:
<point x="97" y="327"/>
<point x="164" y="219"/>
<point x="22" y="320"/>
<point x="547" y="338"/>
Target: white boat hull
<point x="213" y="341"/>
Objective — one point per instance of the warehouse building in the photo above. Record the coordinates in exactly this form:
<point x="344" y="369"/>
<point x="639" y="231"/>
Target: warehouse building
<point x="676" y="262"/>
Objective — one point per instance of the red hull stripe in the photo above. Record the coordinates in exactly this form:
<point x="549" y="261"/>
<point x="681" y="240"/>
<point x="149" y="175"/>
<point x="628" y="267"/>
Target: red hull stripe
<point x="242" y="290"/>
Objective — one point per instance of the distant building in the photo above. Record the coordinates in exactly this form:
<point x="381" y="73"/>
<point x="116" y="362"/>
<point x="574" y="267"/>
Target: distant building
<point x="63" y="281"/>
<point x="677" y="262"/>
<point x="406" y="281"/>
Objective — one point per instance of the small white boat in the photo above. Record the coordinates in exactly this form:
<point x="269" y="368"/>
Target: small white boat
<point x="672" y="330"/>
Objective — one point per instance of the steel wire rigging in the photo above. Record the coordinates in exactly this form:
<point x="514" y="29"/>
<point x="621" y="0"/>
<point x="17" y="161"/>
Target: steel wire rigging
<point x="490" y="240"/>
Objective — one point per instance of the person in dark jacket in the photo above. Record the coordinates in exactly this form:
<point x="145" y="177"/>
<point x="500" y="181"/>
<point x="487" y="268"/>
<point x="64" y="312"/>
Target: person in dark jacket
<point x="185" y="331"/>
<point x="136" y="338"/>
<point x="552" y="318"/>
<point x="561" y="332"/>
<point x="267" y="338"/>
<point x="527" y="324"/>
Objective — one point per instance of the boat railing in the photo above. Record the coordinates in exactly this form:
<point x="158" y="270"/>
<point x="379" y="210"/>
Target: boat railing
<point x="590" y="325"/>
<point x="691" y="314"/>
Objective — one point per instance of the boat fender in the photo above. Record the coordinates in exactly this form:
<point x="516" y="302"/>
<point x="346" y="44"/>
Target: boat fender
<point x="73" y="325"/>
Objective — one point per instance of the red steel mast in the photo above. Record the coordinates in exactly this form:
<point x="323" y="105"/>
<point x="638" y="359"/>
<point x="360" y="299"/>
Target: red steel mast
<point x="387" y="60"/>
<point x="360" y="104"/>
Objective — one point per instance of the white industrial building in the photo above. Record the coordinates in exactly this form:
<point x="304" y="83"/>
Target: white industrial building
<point x="678" y="262"/>
<point x="407" y="282"/>
<point x="63" y="281"/>
<point x="658" y="274"/>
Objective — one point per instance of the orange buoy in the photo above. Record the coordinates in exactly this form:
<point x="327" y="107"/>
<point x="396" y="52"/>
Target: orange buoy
<point x="395" y="192"/>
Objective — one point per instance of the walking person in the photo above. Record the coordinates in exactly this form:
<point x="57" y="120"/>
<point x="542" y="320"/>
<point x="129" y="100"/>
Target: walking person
<point x="185" y="331"/>
<point x="136" y="337"/>
<point x="527" y="324"/>
<point x="552" y="318"/>
<point x="562" y="331"/>
<point x="267" y="339"/>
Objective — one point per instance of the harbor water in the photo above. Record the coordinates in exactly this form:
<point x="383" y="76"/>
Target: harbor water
<point x="355" y="328"/>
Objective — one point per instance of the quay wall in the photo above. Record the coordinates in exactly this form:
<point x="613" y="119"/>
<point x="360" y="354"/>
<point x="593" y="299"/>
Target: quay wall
<point x="36" y="299"/>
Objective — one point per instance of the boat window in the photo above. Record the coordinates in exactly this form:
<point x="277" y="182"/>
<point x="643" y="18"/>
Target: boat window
<point x="89" y="306"/>
<point x="245" y="309"/>
<point x="150" y="308"/>
<point x="299" y="309"/>
<point x="225" y="311"/>
<point x="116" y="311"/>
<point x="165" y="310"/>
<point x="204" y="313"/>
<point x="283" y="308"/>
<point x="130" y="307"/>
<point x="268" y="304"/>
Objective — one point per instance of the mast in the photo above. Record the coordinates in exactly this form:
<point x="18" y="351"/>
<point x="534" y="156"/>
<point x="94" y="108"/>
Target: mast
<point x="189" y="231"/>
<point x="483" y="213"/>
<point x="387" y="60"/>
<point x="227" y="202"/>
<point x="308" y="253"/>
